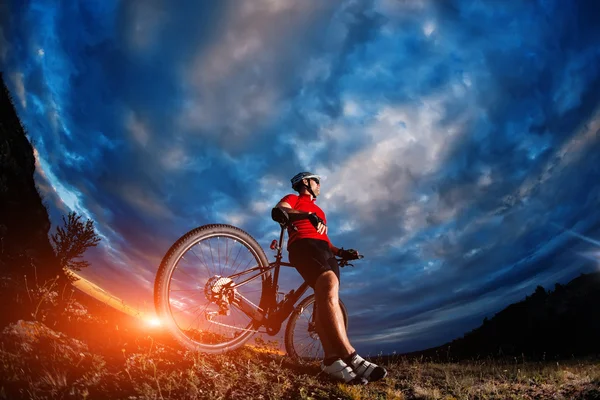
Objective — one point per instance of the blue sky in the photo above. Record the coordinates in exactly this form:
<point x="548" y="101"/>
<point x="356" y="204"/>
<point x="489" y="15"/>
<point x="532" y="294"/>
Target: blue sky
<point x="458" y="140"/>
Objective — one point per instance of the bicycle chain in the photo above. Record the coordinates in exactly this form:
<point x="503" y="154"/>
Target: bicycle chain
<point x="235" y="327"/>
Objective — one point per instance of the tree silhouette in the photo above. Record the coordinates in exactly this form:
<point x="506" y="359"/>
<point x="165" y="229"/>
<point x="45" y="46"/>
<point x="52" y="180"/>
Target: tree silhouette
<point x="72" y="240"/>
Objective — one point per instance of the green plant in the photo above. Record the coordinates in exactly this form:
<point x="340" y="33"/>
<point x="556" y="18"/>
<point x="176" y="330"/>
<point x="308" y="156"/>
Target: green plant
<point x="72" y="240"/>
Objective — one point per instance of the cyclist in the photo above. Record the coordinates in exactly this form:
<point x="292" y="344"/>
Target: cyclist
<point x="313" y="255"/>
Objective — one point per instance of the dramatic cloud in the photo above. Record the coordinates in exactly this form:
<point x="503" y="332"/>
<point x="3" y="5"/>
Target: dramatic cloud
<point x="458" y="140"/>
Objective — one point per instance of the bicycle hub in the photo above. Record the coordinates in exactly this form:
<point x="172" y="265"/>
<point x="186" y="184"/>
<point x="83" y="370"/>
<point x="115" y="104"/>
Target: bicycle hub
<point x="217" y="290"/>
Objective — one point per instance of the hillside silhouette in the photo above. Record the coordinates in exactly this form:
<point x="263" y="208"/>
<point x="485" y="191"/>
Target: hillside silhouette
<point x="26" y="255"/>
<point x="557" y="324"/>
<point x="24" y="221"/>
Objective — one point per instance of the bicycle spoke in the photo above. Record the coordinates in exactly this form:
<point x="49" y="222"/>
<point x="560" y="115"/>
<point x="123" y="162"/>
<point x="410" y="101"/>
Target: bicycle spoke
<point x="312" y="346"/>
<point x="308" y="318"/>
<point x="197" y="317"/>
<point x="305" y="338"/>
<point x="201" y="262"/>
<point x="201" y="259"/>
<point x="236" y="258"/>
<point x="199" y="287"/>
<point x="186" y="310"/>
<point x="230" y="253"/>
<point x="226" y="252"/>
<point x="183" y="271"/>
<point x="219" y="256"/>
<point x="211" y="252"/>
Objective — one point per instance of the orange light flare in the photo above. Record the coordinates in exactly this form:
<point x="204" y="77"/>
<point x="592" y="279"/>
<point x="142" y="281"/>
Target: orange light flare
<point x="153" y="322"/>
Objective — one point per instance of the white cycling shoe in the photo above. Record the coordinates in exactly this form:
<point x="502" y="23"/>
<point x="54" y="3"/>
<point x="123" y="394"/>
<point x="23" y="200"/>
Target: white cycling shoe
<point x="341" y="371"/>
<point x="365" y="369"/>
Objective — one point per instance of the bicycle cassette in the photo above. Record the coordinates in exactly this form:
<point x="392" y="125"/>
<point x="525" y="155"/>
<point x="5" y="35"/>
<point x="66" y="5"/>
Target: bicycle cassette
<point x="217" y="288"/>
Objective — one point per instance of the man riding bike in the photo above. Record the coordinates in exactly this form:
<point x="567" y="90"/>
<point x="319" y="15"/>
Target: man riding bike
<point x="313" y="255"/>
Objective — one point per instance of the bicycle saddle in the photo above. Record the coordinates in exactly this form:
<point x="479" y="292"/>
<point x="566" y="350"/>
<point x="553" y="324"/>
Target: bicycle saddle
<point x="280" y="216"/>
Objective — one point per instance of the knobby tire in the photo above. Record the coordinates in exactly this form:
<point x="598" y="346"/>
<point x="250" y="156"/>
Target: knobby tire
<point x="203" y="236"/>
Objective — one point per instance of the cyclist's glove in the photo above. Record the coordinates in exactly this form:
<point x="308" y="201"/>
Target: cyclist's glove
<point x="349" y="254"/>
<point x="315" y="219"/>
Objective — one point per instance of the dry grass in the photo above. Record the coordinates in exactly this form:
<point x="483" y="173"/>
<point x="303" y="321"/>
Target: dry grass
<point x="65" y="368"/>
<point x="101" y="358"/>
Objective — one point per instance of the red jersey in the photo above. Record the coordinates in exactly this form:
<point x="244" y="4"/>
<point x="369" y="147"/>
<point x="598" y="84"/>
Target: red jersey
<point x="306" y="230"/>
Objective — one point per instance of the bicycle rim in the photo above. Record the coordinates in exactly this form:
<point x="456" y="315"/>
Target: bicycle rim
<point x="301" y="340"/>
<point x="190" y="284"/>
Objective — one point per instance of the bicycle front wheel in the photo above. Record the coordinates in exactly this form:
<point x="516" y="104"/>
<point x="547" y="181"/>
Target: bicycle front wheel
<point x="301" y="339"/>
<point x="195" y="292"/>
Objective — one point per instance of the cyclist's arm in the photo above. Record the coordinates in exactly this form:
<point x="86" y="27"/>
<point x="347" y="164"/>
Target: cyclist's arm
<point x="333" y="249"/>
<point x="295" y="215"/>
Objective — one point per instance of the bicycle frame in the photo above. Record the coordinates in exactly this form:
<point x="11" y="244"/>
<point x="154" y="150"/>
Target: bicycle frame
<point x="276" y="312"/>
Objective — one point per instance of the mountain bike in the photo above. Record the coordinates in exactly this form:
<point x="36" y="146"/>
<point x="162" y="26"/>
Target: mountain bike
<point x="215" y="289"/>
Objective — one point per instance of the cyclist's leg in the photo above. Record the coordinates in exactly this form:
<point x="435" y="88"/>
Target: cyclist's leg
<point x="312" y="259"/>
<point x="331" y="325"/>
<point x="328" y="348"/>
<point x="330" y="321"/>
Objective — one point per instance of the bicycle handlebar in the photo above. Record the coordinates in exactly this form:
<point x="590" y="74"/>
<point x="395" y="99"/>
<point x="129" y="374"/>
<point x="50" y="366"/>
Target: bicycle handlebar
<point x="282" y="218"/>
<point x="343" y="262"/>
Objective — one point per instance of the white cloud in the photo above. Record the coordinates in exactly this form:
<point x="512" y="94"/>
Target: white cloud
<point x="407" y="141"/>
<point x="271" y="190"/>
<point x="69" y="196"/>
<point x="268" y="6"/>
<point x="53" y="113"/>
<point x="575" y="80"/>
<point x="4" y="46"/>
<point x="351" y="109"/>
<point x="428" y="28"/>
<point x="262" y="206"/>
<point x="233" y="218"/>
<point x="485" y="179"/>
<point x="17" y="78"/>
<point x="147" y="19"/>
<point x="235" y="85"/>
<point x="145" y="202"/>
<point x="428" y="321"/>
<point x="177" y="158"/>
<point x="571" y="151"/>
<point x="317" y="69"/>
<point x="399" y="8"/>
<point x="137" y="129"/>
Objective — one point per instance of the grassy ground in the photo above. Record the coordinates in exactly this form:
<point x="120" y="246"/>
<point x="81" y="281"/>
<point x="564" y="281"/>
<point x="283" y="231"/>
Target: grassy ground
<point x="68" y="352"/>
<point x="37" y="363"/>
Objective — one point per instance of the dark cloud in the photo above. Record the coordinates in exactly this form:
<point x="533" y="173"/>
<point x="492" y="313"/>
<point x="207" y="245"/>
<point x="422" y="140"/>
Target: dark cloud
<point x="455" y="137"/>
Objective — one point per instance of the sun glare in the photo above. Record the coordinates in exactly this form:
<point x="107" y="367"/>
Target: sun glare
<point x="153" y="321"/>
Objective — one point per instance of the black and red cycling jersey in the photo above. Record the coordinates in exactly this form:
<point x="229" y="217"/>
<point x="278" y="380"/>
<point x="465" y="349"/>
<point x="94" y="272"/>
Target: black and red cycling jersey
<point x="306" y="230"/>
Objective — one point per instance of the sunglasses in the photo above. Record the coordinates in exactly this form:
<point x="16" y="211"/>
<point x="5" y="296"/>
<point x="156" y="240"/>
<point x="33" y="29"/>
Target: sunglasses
<point x="316" y="181"/>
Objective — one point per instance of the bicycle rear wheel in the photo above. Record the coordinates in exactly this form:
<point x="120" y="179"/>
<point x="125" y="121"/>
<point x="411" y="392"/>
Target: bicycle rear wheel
<point x="193" y="292"/>
<point x="302" y="342"/>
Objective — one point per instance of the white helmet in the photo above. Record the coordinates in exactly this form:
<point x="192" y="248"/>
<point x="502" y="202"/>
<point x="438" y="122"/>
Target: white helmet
<point x="303" y="175"/>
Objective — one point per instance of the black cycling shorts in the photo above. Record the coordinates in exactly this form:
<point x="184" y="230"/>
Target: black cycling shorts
<point x="312" y="257"/>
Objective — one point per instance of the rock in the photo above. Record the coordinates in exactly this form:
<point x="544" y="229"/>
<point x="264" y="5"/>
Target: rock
<point x="31" y="335"/>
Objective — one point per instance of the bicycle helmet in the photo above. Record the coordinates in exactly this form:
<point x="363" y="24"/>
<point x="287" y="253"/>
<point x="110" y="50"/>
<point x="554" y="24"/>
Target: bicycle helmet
<point x="297" y="181"/>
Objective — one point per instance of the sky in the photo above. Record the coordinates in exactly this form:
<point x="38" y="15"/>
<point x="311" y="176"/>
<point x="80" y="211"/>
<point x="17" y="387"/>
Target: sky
<point x="458" y="140"/>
